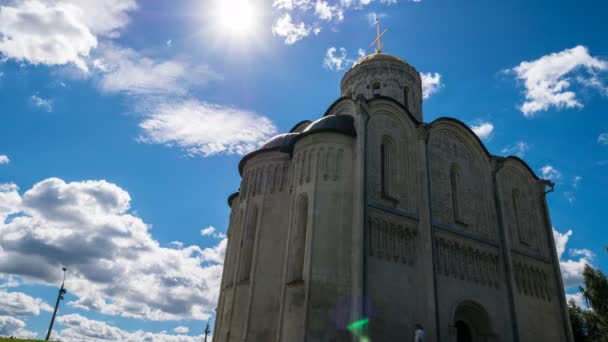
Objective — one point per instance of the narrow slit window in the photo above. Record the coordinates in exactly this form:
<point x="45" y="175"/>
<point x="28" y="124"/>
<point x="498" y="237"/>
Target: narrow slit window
<point x="387" y="155"/>
<point x="457" y="193"/>
<point x="521" y="231"/>
<point x="376" y="89"/>
<point x="298" y="241"/>
<point x="406" y="98"/>
<point x="247" y="244"/>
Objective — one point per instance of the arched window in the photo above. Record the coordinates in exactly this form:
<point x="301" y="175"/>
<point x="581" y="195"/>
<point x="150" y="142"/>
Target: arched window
<point x="406" y="97"/>
<point x="247" y="243"/>
<point x="387" y="163"/>
<point x="457" y="193"/>
<point x="298" y="241"/>
<point x="521" y="230"/>
<point x="376" y="89"/>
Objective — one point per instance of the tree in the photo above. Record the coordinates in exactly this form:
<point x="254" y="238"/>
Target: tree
<point x="591" y="324"/>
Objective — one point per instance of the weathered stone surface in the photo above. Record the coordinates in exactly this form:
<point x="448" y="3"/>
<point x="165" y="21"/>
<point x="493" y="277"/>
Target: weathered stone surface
<point x="377" y="215"/>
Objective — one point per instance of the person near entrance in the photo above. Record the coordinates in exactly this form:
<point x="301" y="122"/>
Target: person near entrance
<point x="419" y="334"/>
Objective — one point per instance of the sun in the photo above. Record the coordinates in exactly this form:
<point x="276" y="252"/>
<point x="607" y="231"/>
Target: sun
<point x="236" y="17"/>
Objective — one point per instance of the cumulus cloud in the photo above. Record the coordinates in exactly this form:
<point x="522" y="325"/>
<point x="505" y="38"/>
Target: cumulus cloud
<point x="336" y="62"/>
<point x="59" y="32"/>
<point x="431" y="83"/>
<point x="205" y="129"/>
<point x="571" y="195"/>
<point x="572" y="269"/>
<point x="75" y="327"/>
<point x="578" y="299"/>
<point x="337" y="59"/>
<point x="292" y="32"/>
<point x="11" y="326"/>
<point x="483" y="130"/>
<point x="127" y="71"/>
<point x="325" y="11"/>
<point x="208" y="231"/>
<point x="550" y="172"/>
<point x="4" y="159"/>
<point x="45" y="104"/>
<point x="10" y="200"/>
<point x="518" y="149"/>
<point x="312" y="15"/>
<point x="181" y="330"/>
<point x="548" y="80"/>
<point x="114" y="265"/>
<point x="373" y="17"/>
<point x="18" y="304"/>
<point x="603" y="138"/>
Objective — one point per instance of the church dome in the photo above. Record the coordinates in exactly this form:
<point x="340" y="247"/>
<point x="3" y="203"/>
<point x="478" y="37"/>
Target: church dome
<point x="333" y="123"/>
<point x="379" y="56"/>
<point x="385" y="75"/>
<point x="280" y="142"/>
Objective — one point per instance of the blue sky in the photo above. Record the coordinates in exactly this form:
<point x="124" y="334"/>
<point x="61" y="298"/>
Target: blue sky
<point x="122" y="124"/>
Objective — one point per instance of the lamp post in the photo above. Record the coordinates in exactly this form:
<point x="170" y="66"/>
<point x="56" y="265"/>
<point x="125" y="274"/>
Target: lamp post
<point x="207" y="331"/>
<point x="62" y="292"/>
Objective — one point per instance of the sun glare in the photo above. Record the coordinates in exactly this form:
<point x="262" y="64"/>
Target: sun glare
<point x="237" y="17"/>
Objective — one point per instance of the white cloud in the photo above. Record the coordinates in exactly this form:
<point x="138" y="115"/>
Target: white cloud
<point x="483" y="130"/>
<point x="373" y="16"/>
<point x="125" y="70"/>
<point x="4" y="159"/>
<point x="292" y="32"/>
<point x="114" y="265"/>
<point x="208" y="231"/>
<point x="40" y="102"/>
<point x="327" y="12"/>
<point x="59" y="32"/>
<point x="78" y="328"/>
<point x="205" y="129"/>
<point x="571" y="195"/>
<point x="518" y="149"/>
<point x="571" y="269"/>
<point x="336" y="62"/>
<point x="548" y="79"/>
<point x="603" y="138"/>
<point x="550" y="172"/>
<point x="181" y="330"/>
<point x="10" y="201"/>
<point x="17" y="304"/>
<point x="578" y="299"/>
<point x="431" y="83"/>
<point x="585" y="253"/>
<point x="312" y="15"/>
<point x="10" y="326"/>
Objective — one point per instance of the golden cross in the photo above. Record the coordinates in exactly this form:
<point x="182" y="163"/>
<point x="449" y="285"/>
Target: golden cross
<point x="378" y="35"/>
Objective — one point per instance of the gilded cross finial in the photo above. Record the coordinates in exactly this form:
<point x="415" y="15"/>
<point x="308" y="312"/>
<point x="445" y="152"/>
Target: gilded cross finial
<point x="377" y="41"/>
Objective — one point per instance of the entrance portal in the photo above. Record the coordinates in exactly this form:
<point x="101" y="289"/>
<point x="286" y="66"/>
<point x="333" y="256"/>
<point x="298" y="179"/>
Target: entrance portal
<point x="472" y="323"/>
<point x="463" y="333"/>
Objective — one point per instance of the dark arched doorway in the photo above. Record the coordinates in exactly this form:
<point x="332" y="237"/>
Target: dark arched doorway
<point x="471" y="323"/>
<point x="463" y="332"/>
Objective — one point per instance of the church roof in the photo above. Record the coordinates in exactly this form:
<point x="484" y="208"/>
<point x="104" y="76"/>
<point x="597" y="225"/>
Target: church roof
<point x="343" y="124"/>
<point x="378" y="57"/>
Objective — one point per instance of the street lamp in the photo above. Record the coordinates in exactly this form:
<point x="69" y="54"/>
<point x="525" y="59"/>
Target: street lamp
<point x="207" y="330"/>
<point x="62" y="292"/>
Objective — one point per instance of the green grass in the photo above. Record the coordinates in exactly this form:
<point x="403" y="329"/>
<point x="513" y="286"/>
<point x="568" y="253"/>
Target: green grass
<point x="5" y="339"/>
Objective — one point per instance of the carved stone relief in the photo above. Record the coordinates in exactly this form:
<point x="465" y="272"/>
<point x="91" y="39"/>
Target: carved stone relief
<point x="391" y="240"/>
<point x="531" y="280"/>
<point x="461" y="260"/>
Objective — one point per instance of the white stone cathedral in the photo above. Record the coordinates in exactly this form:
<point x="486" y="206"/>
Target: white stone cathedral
<point x="366" y="221"/>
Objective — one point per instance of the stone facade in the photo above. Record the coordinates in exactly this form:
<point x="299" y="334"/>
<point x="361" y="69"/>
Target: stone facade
<point x="370" y="213"/>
